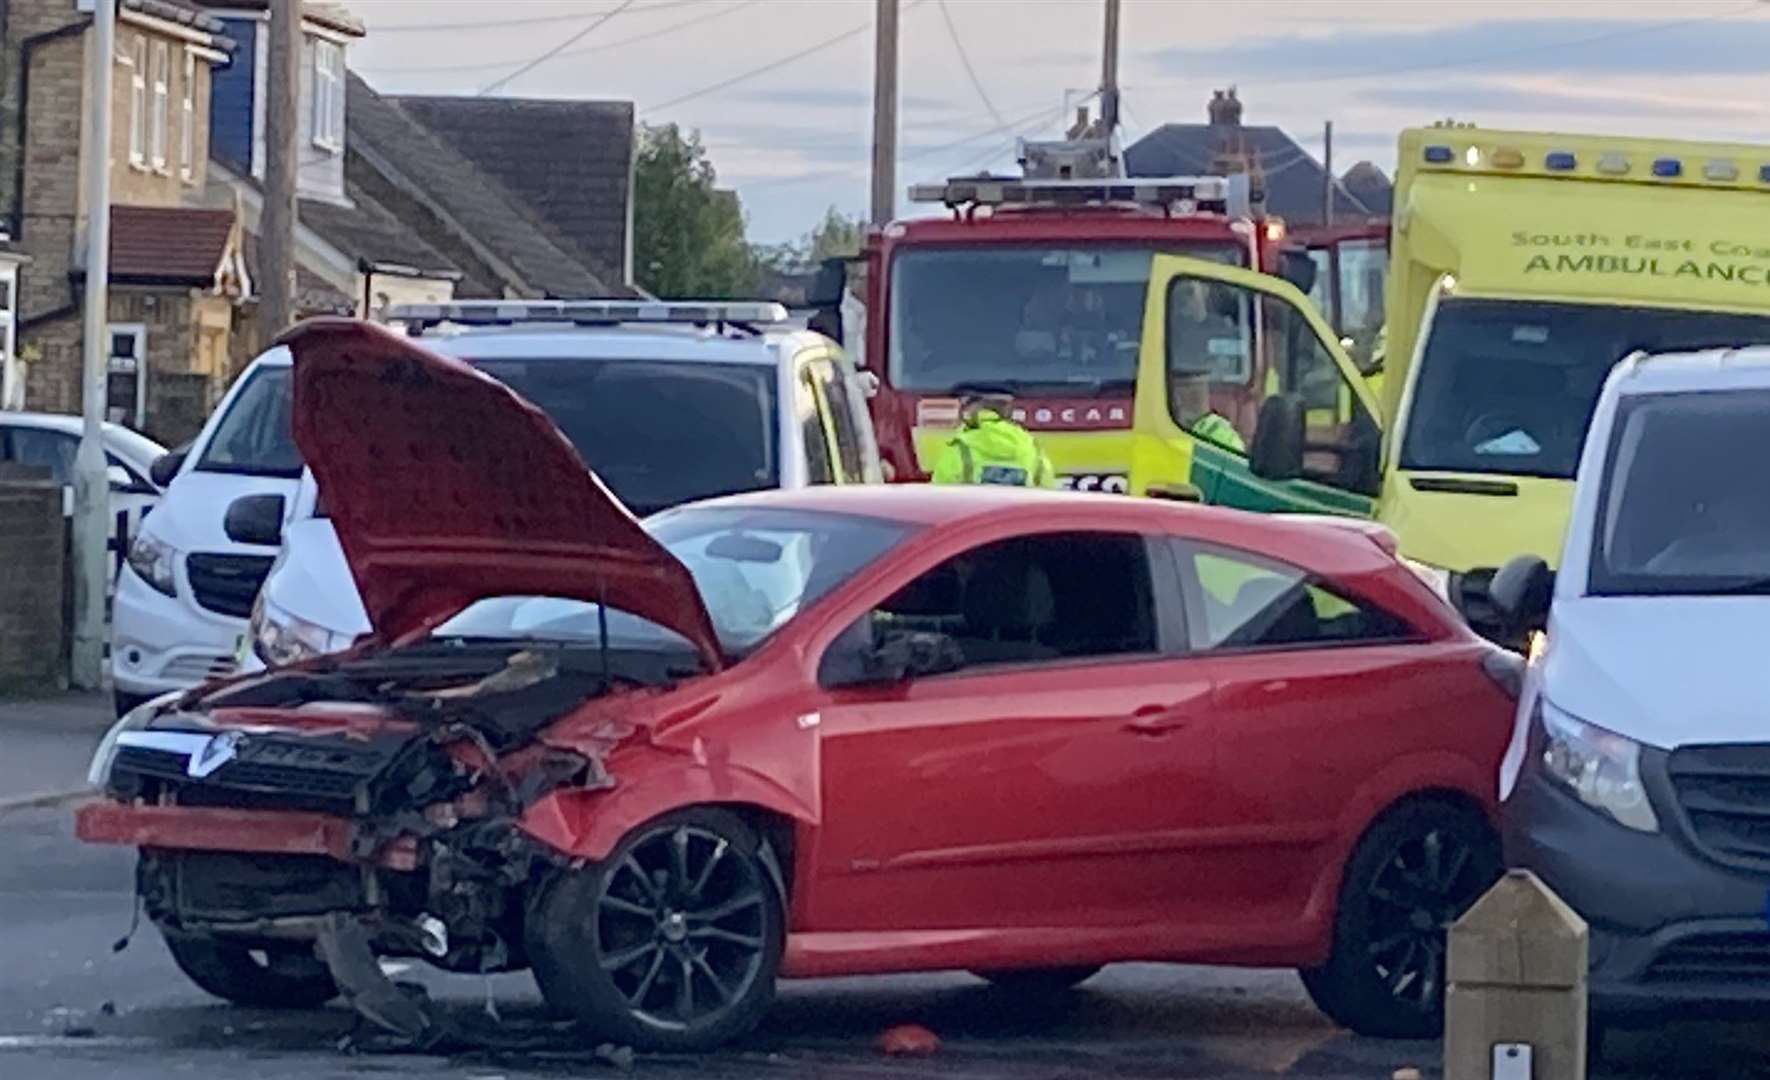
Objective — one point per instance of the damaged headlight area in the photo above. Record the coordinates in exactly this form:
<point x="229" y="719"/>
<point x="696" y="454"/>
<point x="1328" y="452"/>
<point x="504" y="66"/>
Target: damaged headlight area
<point x="279" y="637"/>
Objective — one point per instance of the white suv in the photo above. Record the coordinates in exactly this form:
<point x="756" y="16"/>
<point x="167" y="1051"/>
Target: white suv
<point x="668" y="402"/>
<point x="187" y="586"/>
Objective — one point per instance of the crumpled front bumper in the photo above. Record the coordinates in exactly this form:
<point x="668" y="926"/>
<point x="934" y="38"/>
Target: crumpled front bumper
<point x="264" y="832"/>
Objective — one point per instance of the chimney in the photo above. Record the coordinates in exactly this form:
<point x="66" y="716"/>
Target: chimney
<point x="1225" y="108"/>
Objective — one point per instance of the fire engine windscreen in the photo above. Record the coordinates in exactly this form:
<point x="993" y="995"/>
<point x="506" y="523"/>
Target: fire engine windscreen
<point x="1032" y="318"/>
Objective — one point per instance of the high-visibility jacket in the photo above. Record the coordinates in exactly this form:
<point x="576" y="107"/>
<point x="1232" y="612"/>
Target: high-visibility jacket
<point x="991" y="449"/>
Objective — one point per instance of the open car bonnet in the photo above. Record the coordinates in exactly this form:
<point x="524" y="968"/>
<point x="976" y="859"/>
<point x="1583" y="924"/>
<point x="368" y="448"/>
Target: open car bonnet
<point x="445" y="488"/>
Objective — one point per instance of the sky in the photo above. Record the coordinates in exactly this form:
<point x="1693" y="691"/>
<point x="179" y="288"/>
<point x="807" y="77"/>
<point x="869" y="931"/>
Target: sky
<point x="781" y="90"/>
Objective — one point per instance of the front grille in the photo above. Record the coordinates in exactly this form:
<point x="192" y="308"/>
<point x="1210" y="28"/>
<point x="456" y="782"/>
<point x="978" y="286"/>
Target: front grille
<point x="1715" y="957"/>
<point x="270" y="770"/>
<point x="1724" y="792"/>
<point x="227" y="584"/>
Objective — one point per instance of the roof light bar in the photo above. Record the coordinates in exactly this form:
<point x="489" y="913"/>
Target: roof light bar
<point x="1613" y="164"/>
<point x="502" y="312"/>
<point x="1202" y="192"/>
<point x="1720" y="169"/>
<point x="1560" y="161"/>
<point x="1437" y="155"/>
<point x="1668" y="167"/>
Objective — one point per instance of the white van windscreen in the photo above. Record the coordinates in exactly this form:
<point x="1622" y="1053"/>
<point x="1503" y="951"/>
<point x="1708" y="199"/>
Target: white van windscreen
<point x="1681" y="510"/>
<point x="254" y="436"/>
<point x="1509" y="386"/>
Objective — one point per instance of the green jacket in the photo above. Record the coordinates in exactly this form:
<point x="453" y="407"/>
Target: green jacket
<point x="990" y="449"/>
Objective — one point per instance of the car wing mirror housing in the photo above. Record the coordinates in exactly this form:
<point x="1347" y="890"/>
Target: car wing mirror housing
<point x="1277" y="452"/>
<point x="255" y="519"/>
<point x="1521" y="592"/>
<point x="865" y="656"/>
<point x="166" y="466"/>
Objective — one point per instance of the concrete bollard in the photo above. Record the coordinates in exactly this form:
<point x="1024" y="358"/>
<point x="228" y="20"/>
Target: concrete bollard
<point x="1515" y="1006"/>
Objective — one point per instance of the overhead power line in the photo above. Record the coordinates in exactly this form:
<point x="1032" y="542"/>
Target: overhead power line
<point x="533" y="20"/>
<point x="494" y="65"/>
<point x="500" y="83"/>
<point x="965" y="60"/>
<point x="773" y="65"/>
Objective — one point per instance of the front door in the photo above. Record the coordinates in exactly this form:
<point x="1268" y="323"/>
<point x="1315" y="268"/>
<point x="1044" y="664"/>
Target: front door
<point x="1062" y="777"/>
<point x="1220" y="341"/>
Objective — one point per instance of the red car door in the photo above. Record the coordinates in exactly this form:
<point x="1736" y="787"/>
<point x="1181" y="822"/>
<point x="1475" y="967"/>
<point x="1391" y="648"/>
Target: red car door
<point x="1316" y="695"/>
<point x="1063" y="778"/>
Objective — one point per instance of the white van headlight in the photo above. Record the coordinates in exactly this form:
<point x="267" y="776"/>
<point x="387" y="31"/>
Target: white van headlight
<point x="1601" y="768"/>
<point x="279" y="637"/>
<point x="154" y="562"/>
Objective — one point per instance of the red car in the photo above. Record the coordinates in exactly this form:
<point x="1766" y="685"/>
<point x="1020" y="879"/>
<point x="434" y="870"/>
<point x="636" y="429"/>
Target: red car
<point x="811" y="733"/>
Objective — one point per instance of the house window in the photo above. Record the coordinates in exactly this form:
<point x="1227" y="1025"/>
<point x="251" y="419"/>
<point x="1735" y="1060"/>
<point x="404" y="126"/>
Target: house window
<point x="138" y="103"/>
<point x="328" y="95"/>
<point x="159" y="73"/>
<point x="187" y="133"/>
<point x="126" y="374"/>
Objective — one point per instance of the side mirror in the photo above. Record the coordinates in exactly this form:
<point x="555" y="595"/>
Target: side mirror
<point x="1521" y="592"/>
<point x="255" y="519"/>
<point x="861" y="658"/>
<point x="166" y="466"/>
<point x="1296" y="267"/>
<point x="1277" y="453"/>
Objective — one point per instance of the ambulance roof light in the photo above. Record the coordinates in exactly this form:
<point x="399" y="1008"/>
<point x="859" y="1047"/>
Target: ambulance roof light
<point x="1764" y="174"/>
<point x="1438" y="155"/>
<point x="1667" y="167"/>
<point x="1613" y="164"/>
<point x="1507" y="157"/>
<point x="1722" y="170"/>
<point x="418" y="317"/>
<point x="1560" y="161"/>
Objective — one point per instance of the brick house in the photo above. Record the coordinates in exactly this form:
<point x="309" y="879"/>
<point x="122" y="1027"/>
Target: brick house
<point x="176" y="273"/>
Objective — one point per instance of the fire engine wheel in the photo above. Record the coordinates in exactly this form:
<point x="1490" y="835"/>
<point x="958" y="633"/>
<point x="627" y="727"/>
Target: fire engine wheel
<point x="1040" y="982"/>
<point x="285" y="977"/>
<point x="1413" y="874"/>
<point x="672" y="943"/>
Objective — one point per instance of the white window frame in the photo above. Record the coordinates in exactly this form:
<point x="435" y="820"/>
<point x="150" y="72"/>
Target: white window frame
<point x="138" y="102"/>
<point x="160" y="74"/>
<point x="187" y="136"/>
<point x="328" y="95"/>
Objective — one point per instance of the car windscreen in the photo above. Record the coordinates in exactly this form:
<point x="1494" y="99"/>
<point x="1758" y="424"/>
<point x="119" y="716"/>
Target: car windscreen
<point x="658" y="433"/>
<point x="1032" y="318"/>
<point x="1682" y="510"/>
<point x="254" y="436"/>
<point x="1509" y="386"/>
<point x="755" y="570"/>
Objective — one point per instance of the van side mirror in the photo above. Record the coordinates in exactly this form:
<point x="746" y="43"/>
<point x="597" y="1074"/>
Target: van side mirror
<point x="1296" y="267"/>
<point x="863" y="657"/>
<point x="255" y="519"/>
<point x="1521" y="592"/>
<point x="166" y="466"/>
<point x="1277" y="453"/>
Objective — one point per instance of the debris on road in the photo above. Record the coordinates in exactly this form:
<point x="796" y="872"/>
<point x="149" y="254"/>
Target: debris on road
<point x="908" y="1039"/>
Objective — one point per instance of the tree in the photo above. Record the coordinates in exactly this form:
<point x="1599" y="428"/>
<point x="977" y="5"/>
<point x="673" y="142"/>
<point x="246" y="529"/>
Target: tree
<point x="688" y="234"/>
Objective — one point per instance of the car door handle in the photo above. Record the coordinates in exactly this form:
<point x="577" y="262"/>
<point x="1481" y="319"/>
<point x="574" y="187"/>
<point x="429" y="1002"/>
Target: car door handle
<point x="1156" y="720"/>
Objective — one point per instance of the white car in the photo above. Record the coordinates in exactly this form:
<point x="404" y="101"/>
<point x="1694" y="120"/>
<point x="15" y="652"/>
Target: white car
<point x="668" y="402"/>
<point x="1637" y="784"/>
<point x="182" y="600"/>
<point x="51" y="441"/>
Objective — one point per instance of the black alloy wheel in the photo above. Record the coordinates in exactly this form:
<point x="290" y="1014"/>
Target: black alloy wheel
<point x="1413" y="874"/>
<point x="671" y="944"/>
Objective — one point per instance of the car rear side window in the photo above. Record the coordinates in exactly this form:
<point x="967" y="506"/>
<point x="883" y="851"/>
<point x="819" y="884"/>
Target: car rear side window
<point x="836" y="397"/>
<point x="1055" y="596"/>
<point x="1240" y="600"/>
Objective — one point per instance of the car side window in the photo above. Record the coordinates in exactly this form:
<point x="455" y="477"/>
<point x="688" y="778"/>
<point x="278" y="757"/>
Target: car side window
<point x="836" y="398"/>
<point x="38" y="449"/>
<point x="1241" y="600"/>
<point x="819" y="463"/>
<point x="1054" y="596"/>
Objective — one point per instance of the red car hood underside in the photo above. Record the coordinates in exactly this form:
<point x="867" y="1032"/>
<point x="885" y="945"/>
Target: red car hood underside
<point x="445" y="488"/>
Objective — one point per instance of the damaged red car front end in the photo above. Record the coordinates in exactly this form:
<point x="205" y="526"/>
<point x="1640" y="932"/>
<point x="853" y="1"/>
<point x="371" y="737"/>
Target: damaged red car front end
<point x="413" y="795"/>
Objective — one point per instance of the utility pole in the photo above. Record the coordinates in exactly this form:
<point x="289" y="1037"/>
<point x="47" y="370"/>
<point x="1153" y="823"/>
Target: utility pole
<point x="1109" y="71"/>
<point x="1327" y="174"/>
<point x="276" y="224"/>
<point x="885" y="112"/>
<point x="92" y="483"/>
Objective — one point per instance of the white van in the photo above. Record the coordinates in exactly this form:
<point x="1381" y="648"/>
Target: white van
<point x="669" y="402"/>
<point x="187" y="586"/>
<point x="1637" y="784"/>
